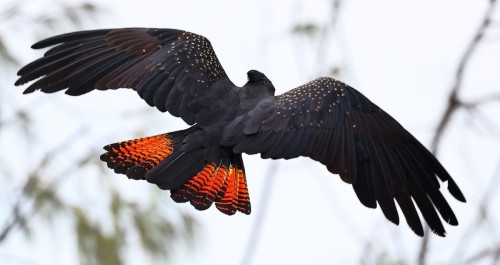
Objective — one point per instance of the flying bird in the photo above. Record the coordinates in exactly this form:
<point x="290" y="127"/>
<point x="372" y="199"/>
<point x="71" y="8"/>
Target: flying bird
<point x="178" y="72"/>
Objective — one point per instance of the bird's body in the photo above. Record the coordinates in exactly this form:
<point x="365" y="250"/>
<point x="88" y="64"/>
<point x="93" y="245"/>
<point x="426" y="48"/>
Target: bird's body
<point x="178" y="72"/>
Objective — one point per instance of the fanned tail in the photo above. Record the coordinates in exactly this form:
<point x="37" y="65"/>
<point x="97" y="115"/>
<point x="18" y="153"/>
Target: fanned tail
<point x="137" y="157"/>
<point x="222" y="181"/>
<point x="176" y="161"/>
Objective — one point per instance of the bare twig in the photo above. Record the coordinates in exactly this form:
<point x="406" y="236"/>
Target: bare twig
<point x="487" y="252"/>
<point x="487" y="123"/>
<point x="453" y="99"/>
<point x="454" y="102"/>
<point x="482" y="101"/>
<point x="261" y="215"/>
<point x="18" y="217"/>
<point x="15" y="220"/>
<point x="265" y="197"/>
<point x="480" y="216"/>
<point x="328" y="29"/>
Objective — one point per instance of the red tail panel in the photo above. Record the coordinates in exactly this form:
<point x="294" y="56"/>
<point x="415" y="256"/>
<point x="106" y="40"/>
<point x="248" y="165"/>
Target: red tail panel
<point x="216" y="183"/>
<point x="243" y="197"/>
<point x="211" y="187"/>
<point x="228" y="203"/>
<point x="204" y="188"/>
<point x="141" y="155"/>
<point x="193" y="186"/>
<point x="221" y="182"/>
<point x="236" y="196"/>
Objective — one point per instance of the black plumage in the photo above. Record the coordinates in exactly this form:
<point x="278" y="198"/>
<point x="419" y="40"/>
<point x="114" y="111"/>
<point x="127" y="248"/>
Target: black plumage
<point x="178" y="72"/>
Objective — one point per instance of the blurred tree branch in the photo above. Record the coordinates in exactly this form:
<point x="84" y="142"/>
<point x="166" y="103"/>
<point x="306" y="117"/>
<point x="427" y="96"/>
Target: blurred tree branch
<point x="471" y="105"/>
<point x="37" y="193"/>
<point x="455" y="102"/>
<point x="481" y="217"/>
<point x="309" y="30"/>
<point x="41" y="23"/>
<point x="265" y="198"/>
<point x="34" y="191"/>
<point x="488" y="252"/>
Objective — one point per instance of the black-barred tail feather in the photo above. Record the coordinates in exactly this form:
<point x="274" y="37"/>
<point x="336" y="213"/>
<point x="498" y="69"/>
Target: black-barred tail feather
<point x="177" y="162"/>
<point x="221" y="181"/>
<point x="135" y="158"/>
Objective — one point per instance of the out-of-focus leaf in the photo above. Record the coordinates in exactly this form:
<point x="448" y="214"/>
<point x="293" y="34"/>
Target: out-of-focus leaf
<point x="21" y="220"/>
<point x="94" y="246"/>
<point x="116" y="204"/>
<point x="5" y="54"/>
<point x="155" y="232"/>
<point x="24" y="121"/>
<point x="335" y="71"/>
<point x="85" y="234"/>
<point x="108" y="250"/>
<point x="47" y="202"/>
<point x="25" y="228"/>
<point x="88" y="7"/>
<point x="31" y="185"/>
<point x="307" y="29"/>
<point x="383" y="258"/>
<point x="75" y="14"/>
<point x="48" y="22"/>
<point x="190" y="225"/>
<point x="10" y="12"/>
<point x="72" y="15"/>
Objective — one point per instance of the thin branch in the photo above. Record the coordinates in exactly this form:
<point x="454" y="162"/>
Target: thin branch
<point x="330" y="28"/>
<point x="487" y="252"/>
<point x="480" y="216"/>
<point x="481" y="101"/>
<point x="261" y="215"/>
<point x="454" y="102"/>
<point x="19" y="218"/>
<point x="15" y="221"/>
<point x="482" y="119"/>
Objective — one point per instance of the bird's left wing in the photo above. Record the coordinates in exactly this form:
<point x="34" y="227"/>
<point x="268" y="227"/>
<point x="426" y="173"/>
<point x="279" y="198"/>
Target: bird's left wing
<point x="336" y="125"/>
<point x="171" y="69"/>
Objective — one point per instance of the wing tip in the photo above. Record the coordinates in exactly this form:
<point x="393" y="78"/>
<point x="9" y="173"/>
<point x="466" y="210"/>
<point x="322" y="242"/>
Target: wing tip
<point x="441" y="233"/>
<point x="29" y="91"/>
<point x="455" y="191"/>
<point x="418" y="229"/>
<point x="39" y="45"/>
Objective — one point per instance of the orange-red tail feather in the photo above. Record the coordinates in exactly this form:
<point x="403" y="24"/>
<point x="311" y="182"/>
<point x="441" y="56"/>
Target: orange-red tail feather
<point x="223" y="183"/>
<point x="138" y="156"/>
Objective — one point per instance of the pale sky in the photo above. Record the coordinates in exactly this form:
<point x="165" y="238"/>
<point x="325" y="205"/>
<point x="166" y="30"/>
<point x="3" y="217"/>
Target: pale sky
<point x="402" y="56"/>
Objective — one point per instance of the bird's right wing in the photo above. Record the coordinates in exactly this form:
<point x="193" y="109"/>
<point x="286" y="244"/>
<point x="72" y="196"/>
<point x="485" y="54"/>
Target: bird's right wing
<point x="336" y="125"/>
<point x="176" y="71"/>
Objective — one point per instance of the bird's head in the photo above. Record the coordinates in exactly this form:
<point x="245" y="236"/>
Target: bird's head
<point x="258" y="78"/>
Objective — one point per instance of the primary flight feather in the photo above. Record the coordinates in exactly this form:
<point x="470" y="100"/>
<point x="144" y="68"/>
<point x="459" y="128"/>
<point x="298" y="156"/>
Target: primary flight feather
<point x="325" y="119"/>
